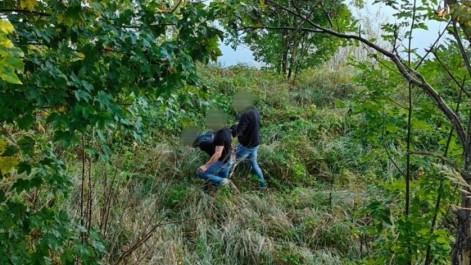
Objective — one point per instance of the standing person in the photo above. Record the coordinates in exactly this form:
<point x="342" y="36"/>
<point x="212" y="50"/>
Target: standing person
<point x="216" y="169"/>
<point x="247" y="131"/>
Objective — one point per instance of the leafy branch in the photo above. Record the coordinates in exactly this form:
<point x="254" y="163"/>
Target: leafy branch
<point x="409" y="73"/>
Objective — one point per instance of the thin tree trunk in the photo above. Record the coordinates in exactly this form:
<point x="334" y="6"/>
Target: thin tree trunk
<point x="461" y="253"/>
<point x="284" y="58"/>
<point x="302" y="54"/>
<point x="409" y="135"/>
<point x="428" y="258"/>
<point x="291" y="60"/>
<point x="408" y="165"/>
<point x="90" y="196"/>
<point x="82" y="191"/>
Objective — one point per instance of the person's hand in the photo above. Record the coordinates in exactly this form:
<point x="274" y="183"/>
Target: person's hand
<point x="202" y="168"/>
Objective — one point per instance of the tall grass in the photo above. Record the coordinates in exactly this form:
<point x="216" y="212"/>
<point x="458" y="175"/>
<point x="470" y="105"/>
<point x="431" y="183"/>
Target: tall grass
<point x="149" y="191"/>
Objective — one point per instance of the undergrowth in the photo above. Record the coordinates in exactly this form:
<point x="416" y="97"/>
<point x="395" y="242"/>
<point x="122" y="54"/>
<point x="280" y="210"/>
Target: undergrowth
<point x="150" y="208"/>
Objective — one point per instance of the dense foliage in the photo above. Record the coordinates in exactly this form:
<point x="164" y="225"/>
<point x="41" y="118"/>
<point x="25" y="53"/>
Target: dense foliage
<point x="276" y="36"/>
<point x="365" y="164"/>
<point x="71" y="69"/>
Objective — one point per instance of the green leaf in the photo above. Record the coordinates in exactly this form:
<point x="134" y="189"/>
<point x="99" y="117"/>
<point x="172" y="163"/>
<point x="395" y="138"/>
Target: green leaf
<point x="82" y="95"/>
<point x="21" y="185"/>
<point x="24" y="167"/>
<point x="7" y="74"/>
<point x="6" y="27"/>
<point x="87" y="86"/>
<point x="28" y="4"/>
<point x="25" y="121"/>
<point x="26" y="144"/>
<point x="103" y="99"/>
<point x="67" y="138"/>
<point x="8" y="156"/>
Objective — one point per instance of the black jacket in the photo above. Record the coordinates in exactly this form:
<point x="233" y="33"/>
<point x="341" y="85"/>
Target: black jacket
<point x="248" y="128"/>
<point x="221" y="138"/>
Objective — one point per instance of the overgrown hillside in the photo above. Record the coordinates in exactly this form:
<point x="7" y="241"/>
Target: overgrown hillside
<point x="368" y="162"/>
<point x="150" y="207"/>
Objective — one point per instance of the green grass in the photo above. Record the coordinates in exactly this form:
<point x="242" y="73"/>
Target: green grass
<point x="315" y="174"/>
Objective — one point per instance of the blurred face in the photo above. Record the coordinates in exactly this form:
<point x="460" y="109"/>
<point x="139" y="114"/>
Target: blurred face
<point x="242" y="100"/>
<point x="215" y="119"/>
<point x="188" y="135"/>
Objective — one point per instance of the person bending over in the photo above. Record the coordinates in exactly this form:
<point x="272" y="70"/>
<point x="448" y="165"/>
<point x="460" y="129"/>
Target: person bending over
<point x="216" y="169"/>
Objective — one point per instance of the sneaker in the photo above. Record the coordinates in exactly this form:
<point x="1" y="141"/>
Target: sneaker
<point x="225" y="182"/>
<point x="230" y="184"/>
<point x="262" y="185"/>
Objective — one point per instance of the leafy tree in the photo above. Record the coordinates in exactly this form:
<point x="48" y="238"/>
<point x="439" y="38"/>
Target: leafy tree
<point x="276" y="37"/>
<point x="70" y="68"/>
<point x="412" y="15"/>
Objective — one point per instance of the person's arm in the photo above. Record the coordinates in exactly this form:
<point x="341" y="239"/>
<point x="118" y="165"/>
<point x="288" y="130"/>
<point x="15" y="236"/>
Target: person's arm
<point x="217" y="154"/>
<point x="240" y="127"/>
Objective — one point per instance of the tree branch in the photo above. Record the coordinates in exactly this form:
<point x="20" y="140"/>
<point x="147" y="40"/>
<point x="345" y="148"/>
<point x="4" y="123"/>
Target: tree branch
<point x="392" y="160"/>
<point x="450" y="74"/>
<point x="280" y="28"/>
<point x="440" y="35"/>
<point x="24" y="11"/>
<point x="444" y="159"/>
<point x="176" y="6"/>
<point x="139" y="26"/>
<point x="327" y="15"/>
<point x="454" y="32"/>
<point x="5" y="131"/>
<point x="146" y="237"/>
<point x="412" y="76"/>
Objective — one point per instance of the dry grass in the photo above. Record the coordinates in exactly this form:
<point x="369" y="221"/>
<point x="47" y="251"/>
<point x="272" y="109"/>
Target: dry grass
<point x="250" y="228"/>
<point x="155" y="191"/>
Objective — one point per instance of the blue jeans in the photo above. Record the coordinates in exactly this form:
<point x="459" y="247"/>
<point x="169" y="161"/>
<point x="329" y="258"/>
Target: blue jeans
<point x="250" y="153"/>
<point x="216" y="172"/>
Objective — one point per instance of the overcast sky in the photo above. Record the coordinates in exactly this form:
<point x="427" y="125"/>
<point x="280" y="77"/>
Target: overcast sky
<point x="421" y="39"/>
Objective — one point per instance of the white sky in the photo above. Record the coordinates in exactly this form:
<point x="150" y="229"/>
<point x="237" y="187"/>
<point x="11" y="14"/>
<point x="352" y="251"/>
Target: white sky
<point x="242" y="55"/>
<point x="421" y="39"/>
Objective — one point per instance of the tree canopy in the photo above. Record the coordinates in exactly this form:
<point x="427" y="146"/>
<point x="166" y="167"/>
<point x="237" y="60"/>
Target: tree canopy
<point x="278" y="38"/>
<point x="73" y="68"/>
